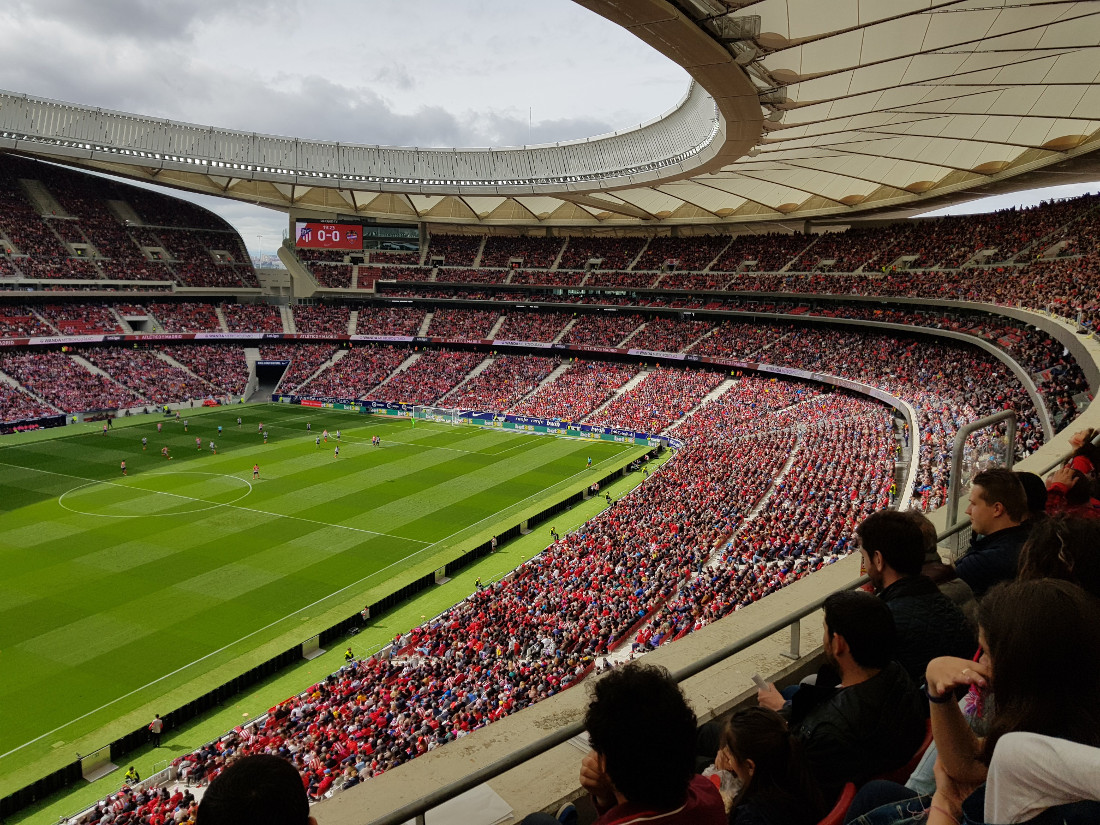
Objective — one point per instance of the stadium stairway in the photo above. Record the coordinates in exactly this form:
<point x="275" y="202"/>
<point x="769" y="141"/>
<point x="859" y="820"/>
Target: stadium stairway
<point x="123" y="324"/>
<point x="353" y="320"/>
<point x="564" y="332"/>
<point x="722" y="252"/>
<point x="221" y="319"/>
<point x="404" y="365"/>
<point x="336" y="356"/>
<point x="625" y="388"/>
<point x="425" y="324"/>
<point x="288" y="320"/>
<point x="561" y="251"/>
<point x="633" y="334"/>
<point x="630" y="266"/>
<point x="550" y="379"/>
<point x="168" y="359"/>
<point x="472" y="374"/>
<point x="495" y="327"/>
<point x="699" y="340"/>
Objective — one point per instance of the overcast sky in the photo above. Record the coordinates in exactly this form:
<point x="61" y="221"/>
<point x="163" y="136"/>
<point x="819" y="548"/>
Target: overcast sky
<point x="424" y="73"/>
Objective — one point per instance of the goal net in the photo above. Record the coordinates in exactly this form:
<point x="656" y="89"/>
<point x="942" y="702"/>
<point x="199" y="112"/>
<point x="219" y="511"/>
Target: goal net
<point x="441" y="415"/>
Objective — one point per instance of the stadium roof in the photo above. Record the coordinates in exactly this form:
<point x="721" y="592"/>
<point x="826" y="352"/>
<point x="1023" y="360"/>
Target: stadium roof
<point x="798" y="109"/>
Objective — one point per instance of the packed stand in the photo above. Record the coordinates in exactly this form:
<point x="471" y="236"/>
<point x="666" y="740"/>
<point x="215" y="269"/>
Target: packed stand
<point x="605" y="329"/>
<point x="80" y="319"/>
<point x="770" y="252"/>
<point x="556" y="277"/>
<point x="186" y="317"/>
<point x="577" y="391"/>
<point x="379" y="320"/>
<point x="328" y="320"/>
<point x="22" y="322"/>
<point x="669" y="334"/>
<point x="502" y="384"/>
<point x="468" y="324"/>
<point x="252" y="318"/>
<point x="628" y="280"/>
<point x="693" y="253"/>
<point x="840" y="472"/>
<point x="225" y="367"/>
<point x="66" y="383"/>
<point x="457" y="275"/>
<point x="661" y="398"/>
<point x="354" y="376"/>
<point x="305" y="360"/>
<point x="457" y="250"/>
<point x="429" y="377"/>
<point x="332" y="276"/>
<point x="16" y="404"/>
<point x="532" y="326"/>
<point x="613" y="253"/>
<point x="534" y="252"/>
<point x="150" y="376"/>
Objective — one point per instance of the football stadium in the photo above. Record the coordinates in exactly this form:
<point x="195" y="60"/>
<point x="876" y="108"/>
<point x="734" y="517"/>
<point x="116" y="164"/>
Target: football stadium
<point x="415" y="509"/>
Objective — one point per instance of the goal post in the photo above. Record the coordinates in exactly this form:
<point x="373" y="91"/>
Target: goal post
<point x="440" y="415"/>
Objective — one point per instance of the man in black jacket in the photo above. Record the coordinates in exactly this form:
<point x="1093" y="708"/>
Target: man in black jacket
<point x="997" y="509"/>
<point x="928" y="624"/>
<point x="864" y="716"/>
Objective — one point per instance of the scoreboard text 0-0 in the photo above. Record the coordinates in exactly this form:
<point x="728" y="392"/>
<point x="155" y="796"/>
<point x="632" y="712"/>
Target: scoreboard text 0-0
<point x="328" y="235"/>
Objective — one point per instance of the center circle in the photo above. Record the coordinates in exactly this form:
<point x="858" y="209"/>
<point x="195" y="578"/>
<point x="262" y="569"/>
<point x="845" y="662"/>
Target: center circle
<point x="155" y="494"/>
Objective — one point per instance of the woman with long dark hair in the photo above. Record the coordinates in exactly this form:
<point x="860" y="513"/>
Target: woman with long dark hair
<point x="776" y="785"/>
<point x="1042" y="660"/>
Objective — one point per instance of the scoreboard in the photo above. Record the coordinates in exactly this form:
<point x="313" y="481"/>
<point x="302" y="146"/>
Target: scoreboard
<point x="310" y="235"/>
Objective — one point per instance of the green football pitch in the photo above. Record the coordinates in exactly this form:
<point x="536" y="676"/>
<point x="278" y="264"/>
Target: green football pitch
<point x="120" y="591"/>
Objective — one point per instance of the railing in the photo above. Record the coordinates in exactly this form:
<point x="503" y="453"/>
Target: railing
<point x="954" y="489"/>
<point x="417" y="810"/>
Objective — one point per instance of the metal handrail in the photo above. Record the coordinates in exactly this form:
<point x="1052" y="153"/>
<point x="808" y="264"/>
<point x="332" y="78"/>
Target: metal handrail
<point x="416" y="810"/>
<point x="954" y="488"/>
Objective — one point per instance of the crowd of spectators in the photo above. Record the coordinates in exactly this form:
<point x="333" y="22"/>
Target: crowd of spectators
<point x="613" y="253"/>
<point x="669" y="334"/>
<point x="252" y="318"/>
<point x="149" y="376"/>
<point x="661" y="398"/>
<point x="460" y="275"/>
<point x="321" y="318"/>
<point x="382" y="320"/>
<point x="16" y="404"/>
<point x="186" y="316"/>
<point x="80" y="319"/>
<point x="576" y="392"/>
<point x="501" y="384"/>
<point x="305" y="360"/>
<point x="353" y="376"/>
<point x="619" y="279"/>
<point x="224" y="367"/>
<point x="22" y="322"/>
<point x="535" y="252"/>
<point x="693" y="253"/>
<point x="145" y="806"/>
<point x="66" y="383"/>
<point x="429" y="377"/>
<point x="554" y="277"/>
<point x="605" y="329"/>
<point x="332" y="276"/>
<point x="470" y="324"/>
<point x="457" y="250"/>
<point x="532" y="326"/>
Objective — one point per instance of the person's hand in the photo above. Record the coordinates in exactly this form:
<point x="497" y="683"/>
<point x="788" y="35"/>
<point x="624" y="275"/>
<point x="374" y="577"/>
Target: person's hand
<point x="946" y="673"/>
<point x="950" y="793"/>
<point x="1065" y="476"/>
<point x="596" y="781"/>
<point x="770" y="698"/>
<point x="1079" y="438"/>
